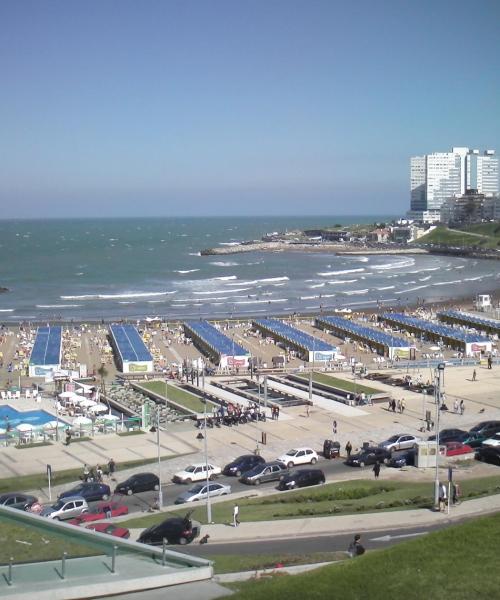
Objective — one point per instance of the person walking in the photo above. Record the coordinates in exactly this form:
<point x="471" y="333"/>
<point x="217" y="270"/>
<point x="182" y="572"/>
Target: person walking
<point x="111" y="468"/>
<point x="399" y="406"/>
<point x="474" y="375"/>
<point x="490" y="362"/>
<point x="403" y="405"/>
<point x="86" y="473"/>
<point x="462" y="407"/>
<point x="443" y="495"/>
<point x="348" y="449"/>
<point x="334" y="427"/>
<point x="68" y="437"/>
<point x="376" y="469"/>
<point x="236" y="515"/>
<point x="455" y="407"/>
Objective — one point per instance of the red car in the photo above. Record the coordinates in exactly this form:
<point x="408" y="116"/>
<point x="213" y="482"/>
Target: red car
<point x="456" y="448"/>
<point x="110" y="529"/>
<point x="104" y="510"/>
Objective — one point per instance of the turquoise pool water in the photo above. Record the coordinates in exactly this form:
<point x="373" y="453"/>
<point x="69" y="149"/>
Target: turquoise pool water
<point x="15" y="417"/>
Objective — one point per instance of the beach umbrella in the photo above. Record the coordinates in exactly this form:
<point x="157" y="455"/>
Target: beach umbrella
<point x="434" y="348"/>
<point x="98" y="408"/>
<point x="77" y="399"/>
<point x="54" y="425"/>
<point x="109" y="417"/>
<point x="24" y="427"/>
<point x="86" y="402"/>
<point x="82" y="421"/>
<point x="339" y="357"/>
<point x="67" y="394"/>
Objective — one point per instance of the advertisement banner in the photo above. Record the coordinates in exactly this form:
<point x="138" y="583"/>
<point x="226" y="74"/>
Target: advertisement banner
<point x="324" y="356"/>
<point x="137" y="368"/>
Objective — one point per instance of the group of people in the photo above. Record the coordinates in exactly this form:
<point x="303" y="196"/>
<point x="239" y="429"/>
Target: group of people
<point x="91" y="475"/>
<point x="400" y="405"/>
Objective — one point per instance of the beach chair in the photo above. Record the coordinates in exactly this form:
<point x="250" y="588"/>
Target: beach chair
<point x="27" y="394"/>
<point x="18" y="395"/>
<point x="4" y="395"/>
<point x="9" y="395"/>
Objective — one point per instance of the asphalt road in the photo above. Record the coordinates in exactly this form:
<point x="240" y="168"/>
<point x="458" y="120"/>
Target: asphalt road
<point x="142" y="501"/>
<point x="329" y="542"/>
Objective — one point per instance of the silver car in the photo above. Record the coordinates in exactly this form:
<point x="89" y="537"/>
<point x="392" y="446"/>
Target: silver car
<point x="401" y="441"/>
<point x="201" y="491"/>
<point x="66" y="508"/>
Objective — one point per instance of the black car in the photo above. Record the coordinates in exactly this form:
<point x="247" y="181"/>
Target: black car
<point x="242" y="464"/>
<point x="301" y="478"/>
<point x="18" y="500"/>
<point x="486" y="428"/>
<point x="176" y="530"/>
<point x="141" y="482"/>
<point x="268" y="471"/>
<point x="368" y="456"/>
<point x="489" y="454"/>
<point x="402" y="459"/>
<point x="449" y="435"/>
<point x="90" y="491"/>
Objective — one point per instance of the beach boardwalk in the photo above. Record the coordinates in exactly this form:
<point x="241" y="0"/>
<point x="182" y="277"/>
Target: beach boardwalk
<point x="132" y="355"/>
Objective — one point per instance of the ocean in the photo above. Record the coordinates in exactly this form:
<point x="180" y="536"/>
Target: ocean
<point x="112" y="269"/>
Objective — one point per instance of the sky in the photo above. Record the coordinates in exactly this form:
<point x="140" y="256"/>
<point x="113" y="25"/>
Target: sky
<point x="246" y="107"/>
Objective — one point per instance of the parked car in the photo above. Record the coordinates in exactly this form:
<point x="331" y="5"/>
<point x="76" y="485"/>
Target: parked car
<point x="196" y="472"/>
<point x="486" y="428"/>
<point x="494" y="440"/>
<point x="369" y="456"/>
<point x="18" y="500"/>
<point x="176" y="530"/>
<point x="448" y="435"/>
<point x="90" y="491"/>
<point x="299" y="456"/>
<point x="401" y="441"/>
<point x="488" y="454"/>
<point x="104" y="510"/>
<point x="66" y="508"/>
<point x="301" y="478"/>
<point x="110" y="529"/>
<point x="242" y="464"/>
<point x="473" y="439"/>
<point x="457" y="448"/>
<point x="201" y="491"/>
<point x="402" y="459"/>
<point x="141" y="482"/>
<point x="268" y="471"/>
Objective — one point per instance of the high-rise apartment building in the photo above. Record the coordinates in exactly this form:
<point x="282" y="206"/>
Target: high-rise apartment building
<point x="436" y="177"/>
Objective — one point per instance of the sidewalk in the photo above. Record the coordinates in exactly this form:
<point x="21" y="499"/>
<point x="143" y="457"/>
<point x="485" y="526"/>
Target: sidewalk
<point x="298" y="528"/>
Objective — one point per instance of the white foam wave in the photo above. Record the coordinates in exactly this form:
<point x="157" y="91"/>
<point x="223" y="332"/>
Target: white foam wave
<point x="227" y="278"/>
<point x="356" y="292"/>
<point x="117" y="296"/>
<point x="400" y="264"/>
<point x="425" y="278"/>
<point x="229" y="243"/>
<point x="194" y="253"/>
<point x="330" y="273"/>
<point x="335" y="281"/>
<point x="7" y="309"/>
<point x="386" y="287"/>
<point x="186" y="271"/>
<point x="414" y="289"/>
<point x="447" y="282"/>
<point x="318" y="285"/>
<point x="222" y="263"/>
<point x="309" y="297"/>
<point x="223" y="291"/>
<point x="479" y="277"/>
<point x="261" y="301"/>
<point x="58" y="305"/>
<point x="256" y="281"/>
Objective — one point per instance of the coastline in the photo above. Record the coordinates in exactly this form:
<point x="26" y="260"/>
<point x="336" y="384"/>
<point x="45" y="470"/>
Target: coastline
<point x="340" y="249"/>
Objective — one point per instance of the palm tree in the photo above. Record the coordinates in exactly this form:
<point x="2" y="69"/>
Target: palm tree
<point x="103" y="373"/>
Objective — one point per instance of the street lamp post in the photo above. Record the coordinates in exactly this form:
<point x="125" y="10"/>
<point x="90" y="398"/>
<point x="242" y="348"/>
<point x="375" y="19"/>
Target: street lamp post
<point x="437" y="396"/>
<point x="160" y="491"/>
<point x="205" y="445"/>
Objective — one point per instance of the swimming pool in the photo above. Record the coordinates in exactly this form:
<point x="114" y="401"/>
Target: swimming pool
<point x="15" y="417"/>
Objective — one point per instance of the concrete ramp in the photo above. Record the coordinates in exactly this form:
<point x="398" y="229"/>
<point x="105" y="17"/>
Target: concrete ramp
<point x="329" y="405"/>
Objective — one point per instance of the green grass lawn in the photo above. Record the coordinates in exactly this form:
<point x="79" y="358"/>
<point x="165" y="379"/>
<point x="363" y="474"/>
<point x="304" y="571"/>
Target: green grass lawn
<point x="25" y="544"/>
<point x="181" y="397"/>
<point x="347" y="497"/>
<point x="460" y="562"/>
<point x="486" y="235"/>
<point x="235" y="563"/>
<point x="341" y="384"/>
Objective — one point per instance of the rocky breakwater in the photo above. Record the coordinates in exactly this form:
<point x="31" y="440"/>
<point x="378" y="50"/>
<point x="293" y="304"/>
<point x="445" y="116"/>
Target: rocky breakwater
<point x="256" y="246"/>
<point x="3" y="290"/>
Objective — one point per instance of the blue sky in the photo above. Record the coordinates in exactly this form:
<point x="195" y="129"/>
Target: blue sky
<point x="237" y="107"/>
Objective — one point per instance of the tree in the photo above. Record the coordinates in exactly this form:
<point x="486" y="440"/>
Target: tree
<point x="103" y="373"/>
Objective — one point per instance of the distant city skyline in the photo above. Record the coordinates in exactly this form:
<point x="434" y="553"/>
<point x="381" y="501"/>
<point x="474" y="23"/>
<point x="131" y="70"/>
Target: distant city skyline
<point x="223" y="108"/>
